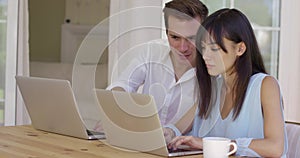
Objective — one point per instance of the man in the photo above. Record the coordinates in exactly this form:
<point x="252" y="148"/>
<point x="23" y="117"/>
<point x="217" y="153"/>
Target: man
<point x="166" y="68"/>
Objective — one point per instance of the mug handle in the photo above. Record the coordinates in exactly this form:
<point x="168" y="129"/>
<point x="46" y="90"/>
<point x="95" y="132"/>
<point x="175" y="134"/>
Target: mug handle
<point x="234" y="148"/>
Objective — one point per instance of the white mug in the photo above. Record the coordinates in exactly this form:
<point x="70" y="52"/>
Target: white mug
<point x="217" y="147"/>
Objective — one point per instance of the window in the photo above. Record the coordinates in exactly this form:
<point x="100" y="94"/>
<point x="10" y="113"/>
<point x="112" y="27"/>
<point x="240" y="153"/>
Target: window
<point x="264" y="16"/>
<point x="8" y="60"/>
<point x="3" y="17"/>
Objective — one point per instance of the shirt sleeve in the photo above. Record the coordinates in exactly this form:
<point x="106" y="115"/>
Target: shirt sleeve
<point x="175" y="129"/>
<point x="243" y="148"/>
<point x="130" y="74"/>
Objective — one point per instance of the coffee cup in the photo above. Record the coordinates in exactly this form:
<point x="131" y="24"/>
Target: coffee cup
<point x="218" y="147"/>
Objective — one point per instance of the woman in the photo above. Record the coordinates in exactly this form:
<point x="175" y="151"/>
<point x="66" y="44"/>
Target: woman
<point x="238" y="100"/>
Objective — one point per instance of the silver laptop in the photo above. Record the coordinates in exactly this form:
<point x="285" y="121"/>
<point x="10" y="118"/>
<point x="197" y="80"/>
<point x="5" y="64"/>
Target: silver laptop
<point x="131" y="121"/>
<point x="52" y="107"/>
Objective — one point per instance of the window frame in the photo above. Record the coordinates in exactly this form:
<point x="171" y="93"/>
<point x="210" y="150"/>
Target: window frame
<point x="11" y="63"/>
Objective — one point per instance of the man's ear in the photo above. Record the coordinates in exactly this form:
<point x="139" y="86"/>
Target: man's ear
<point x="241" y="48"/>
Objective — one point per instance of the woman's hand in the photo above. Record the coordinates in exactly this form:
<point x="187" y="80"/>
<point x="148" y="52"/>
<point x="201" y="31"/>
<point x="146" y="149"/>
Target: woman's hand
<point x="193" y="142"/>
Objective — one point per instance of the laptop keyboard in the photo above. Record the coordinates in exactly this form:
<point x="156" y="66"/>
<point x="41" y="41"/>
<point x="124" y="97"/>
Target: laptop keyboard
<point x="89" y="132"/>
<point x="177" y="150"/>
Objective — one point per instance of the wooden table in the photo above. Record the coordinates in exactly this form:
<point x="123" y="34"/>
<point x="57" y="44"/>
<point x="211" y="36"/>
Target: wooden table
<point x="26" y="142"/>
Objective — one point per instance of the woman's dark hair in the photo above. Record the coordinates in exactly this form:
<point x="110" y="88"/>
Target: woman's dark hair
<point x="234" y="26"/>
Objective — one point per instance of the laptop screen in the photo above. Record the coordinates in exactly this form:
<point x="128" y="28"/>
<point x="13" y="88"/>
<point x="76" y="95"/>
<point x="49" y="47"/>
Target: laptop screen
<point x="131" y="121"/>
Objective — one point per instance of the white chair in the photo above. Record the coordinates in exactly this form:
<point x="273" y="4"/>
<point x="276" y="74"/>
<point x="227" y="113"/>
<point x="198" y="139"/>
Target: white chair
<point x="293" y="134"/>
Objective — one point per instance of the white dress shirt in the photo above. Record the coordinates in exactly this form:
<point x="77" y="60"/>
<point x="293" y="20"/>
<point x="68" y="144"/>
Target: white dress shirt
<point x="151" y="66"/>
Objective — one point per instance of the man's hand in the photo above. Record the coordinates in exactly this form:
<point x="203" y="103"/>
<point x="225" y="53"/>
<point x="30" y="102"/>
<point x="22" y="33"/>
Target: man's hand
<point x="98" y="127"/>
<point x="169" y="134"/>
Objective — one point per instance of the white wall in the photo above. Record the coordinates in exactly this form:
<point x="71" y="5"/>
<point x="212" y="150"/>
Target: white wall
<point x="289" y="59"/>
<point x="87" y="12"/>
<point x="129" y="26"/>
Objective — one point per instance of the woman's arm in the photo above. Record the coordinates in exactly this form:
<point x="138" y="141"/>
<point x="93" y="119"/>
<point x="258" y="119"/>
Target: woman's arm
<point x="182" y="126"/>
<point x="185" y="124"/>
<point x="273" y="143"/>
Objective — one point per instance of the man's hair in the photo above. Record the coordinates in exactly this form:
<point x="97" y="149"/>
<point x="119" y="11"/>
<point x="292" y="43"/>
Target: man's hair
<point x="185" y="9"/>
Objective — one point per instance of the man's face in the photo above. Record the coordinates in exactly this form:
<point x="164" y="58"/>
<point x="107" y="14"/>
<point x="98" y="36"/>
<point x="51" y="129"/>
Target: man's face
<point x="181" y="36"/>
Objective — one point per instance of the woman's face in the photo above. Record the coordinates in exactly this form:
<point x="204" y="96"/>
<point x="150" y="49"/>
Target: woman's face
<point x="216" y="60"/>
